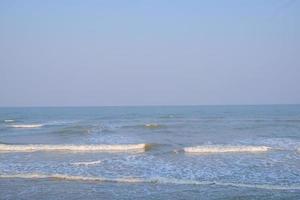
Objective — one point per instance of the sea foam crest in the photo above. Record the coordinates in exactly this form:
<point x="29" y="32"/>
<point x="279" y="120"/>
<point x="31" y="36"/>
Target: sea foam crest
<point x="75" y="148"/>
<point x="8" y="120"/>
<point x="225" y="149"/>
<point x="152" y="125"/>
<point x="26" y="125"/>
<point x="157" y="180"/>
<point x="86" y="163"/>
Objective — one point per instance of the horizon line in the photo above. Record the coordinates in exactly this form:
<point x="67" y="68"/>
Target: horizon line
<point x="147" y="105"/>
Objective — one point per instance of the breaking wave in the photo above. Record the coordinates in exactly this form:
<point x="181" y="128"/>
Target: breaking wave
<point x="8" y="120"/>
<point x="158" y="180"/>
<point x="152" y="126"/>
<point x="75" y="148"/>
<point x="86" y="163"/>
<point x="225" y="149"/>
<point x="279" y="143"/>
<point x="145" y="126"/>
<point x="26" y="125"/>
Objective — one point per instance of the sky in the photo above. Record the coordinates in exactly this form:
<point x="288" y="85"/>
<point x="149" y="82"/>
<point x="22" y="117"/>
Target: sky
<point x="154" y="52"/>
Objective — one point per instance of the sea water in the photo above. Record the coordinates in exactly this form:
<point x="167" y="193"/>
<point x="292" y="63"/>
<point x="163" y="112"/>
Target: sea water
<point x="154" y="152"/>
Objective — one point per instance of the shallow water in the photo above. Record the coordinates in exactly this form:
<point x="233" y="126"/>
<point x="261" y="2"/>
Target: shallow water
<point x="255" y="152"/>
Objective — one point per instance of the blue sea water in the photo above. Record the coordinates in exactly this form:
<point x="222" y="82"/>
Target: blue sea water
<point x="165" y="171"/>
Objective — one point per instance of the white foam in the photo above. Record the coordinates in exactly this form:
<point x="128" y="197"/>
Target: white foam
<point x="225" y="149"/>
<point x="86" y="163"/>
<point x="8" y="120"/>
<point x="75" y="148"/>
<point x="72" y="178"/>
<point x="158" y="180"/>
<point x="26" y="125"/>
<point x="280" y="143"/>
<point x="152" y="125"/>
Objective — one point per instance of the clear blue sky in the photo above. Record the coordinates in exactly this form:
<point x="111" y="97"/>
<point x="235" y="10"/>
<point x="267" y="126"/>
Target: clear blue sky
<point x="94" y="53"/>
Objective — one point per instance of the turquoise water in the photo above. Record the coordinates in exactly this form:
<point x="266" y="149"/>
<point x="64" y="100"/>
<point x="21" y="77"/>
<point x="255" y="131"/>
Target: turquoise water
<point x="161" y="172"/>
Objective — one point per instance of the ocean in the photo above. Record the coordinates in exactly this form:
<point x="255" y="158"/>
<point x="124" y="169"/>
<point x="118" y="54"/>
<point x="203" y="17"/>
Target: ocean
<point x="150" y="152"/>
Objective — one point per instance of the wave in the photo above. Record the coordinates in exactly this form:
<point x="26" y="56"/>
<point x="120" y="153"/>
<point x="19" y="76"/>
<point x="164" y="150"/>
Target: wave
<point x="169" y="116"/>
<point x="60" y="122"/>
<point x="145" y="126"/>
<point x="157" y="180"/>
<point x="76" y="148"/>
<point x="225" y="149"/>
<point x="26" y="125"/>
<point x="86" y="163"/>
<point x="278" y="143"/>
<point x="76" y="129"/>
<point x="152" y="126"/>
<point x="8" y="120"/>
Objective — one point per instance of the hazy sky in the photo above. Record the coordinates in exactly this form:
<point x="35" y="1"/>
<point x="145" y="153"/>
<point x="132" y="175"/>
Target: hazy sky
<point x="85" y="53"/>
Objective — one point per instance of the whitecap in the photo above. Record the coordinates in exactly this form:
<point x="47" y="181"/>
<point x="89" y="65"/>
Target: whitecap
<point x="75" y="148"/>
<point x="8" y="120"/>
<point x="26" y="125"/>
<point x="152" y="125"/>
<point x="225" y="149"/>
<point x="86" y="163"/>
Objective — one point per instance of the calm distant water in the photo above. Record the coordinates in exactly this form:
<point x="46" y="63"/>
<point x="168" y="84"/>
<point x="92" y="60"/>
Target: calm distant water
<point x="164" y="171"/>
